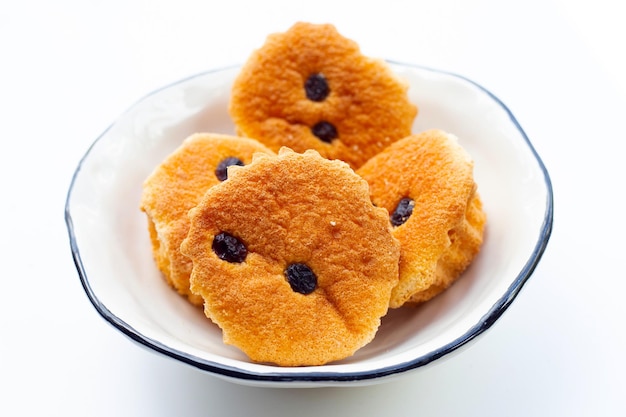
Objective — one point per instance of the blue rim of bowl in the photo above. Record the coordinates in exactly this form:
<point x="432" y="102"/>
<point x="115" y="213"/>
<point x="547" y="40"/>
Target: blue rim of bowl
<point x="479" y="328"/>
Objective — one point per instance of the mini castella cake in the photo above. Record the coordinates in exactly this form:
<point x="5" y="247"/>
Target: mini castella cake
<point x="311" y="88"/>
<point x="177" y="185"/>
<point x="426" y="183"/>
<point x="293" y="261"/>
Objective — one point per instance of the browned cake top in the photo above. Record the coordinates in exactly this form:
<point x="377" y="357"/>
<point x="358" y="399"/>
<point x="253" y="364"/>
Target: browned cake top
<point x="177" y="185"/>
<point x="293" y="261"/>
<point x="311" y="88"/>
<point x="426" y="182"/>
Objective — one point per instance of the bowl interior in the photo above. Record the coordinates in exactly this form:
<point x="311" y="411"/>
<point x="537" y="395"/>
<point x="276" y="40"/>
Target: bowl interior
<point x="111" y="245"/>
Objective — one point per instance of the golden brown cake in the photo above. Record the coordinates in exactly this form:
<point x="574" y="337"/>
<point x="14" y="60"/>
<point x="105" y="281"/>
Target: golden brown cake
<point x="293" y="261"/>
<point x="465" y="242"/>
<point x="311" y="88"/>
<point x="177" y="185"/>
<point x="426" y="183"/>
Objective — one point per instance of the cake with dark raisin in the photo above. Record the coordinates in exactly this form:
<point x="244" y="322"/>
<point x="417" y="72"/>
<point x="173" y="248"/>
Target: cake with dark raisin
<point x="426" y="182"/>
<point x="177" y="185"/>
<point x="312" y="88"/>
<point x="293" y="261"/>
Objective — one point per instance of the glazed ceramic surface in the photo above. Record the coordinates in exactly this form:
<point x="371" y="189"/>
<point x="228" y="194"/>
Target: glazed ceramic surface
<point x="112" y="252"/>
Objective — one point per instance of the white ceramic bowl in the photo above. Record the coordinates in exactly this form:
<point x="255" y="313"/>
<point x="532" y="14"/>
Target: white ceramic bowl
<point x="111" y="248"/>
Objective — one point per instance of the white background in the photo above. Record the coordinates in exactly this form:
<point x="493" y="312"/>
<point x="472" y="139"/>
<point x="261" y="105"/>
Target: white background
<point x="69" y="68"/>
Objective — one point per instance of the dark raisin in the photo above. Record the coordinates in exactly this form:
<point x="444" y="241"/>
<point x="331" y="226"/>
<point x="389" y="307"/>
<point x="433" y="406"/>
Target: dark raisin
<point x="301" y="278"/>
<point x="325" y="131"/>
<point x="403" y="211"/>
<point x="221" y="172"/>
<point x="316" y="87"/>
<point x="228" y="248"/>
